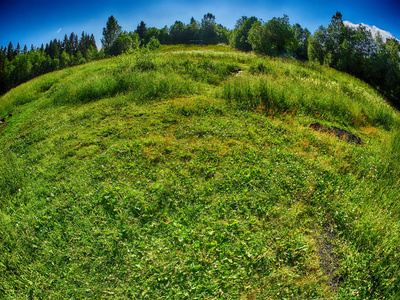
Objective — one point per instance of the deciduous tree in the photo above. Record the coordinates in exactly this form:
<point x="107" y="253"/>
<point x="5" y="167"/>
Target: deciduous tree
<point x="273" y="38"/>
<point x="239" y="37"/>
<point x="124" y="43"/>
<point x="208" y="29"/>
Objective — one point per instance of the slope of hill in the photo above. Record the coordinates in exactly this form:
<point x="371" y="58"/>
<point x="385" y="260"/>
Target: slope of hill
<point x="193" y="173"/>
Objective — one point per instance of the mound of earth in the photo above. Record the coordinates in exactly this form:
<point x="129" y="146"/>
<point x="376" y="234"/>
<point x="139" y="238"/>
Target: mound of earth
<point x="340" y="133"/>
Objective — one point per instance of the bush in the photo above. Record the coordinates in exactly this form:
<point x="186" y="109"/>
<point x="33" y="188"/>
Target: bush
<point x="153" y="44"/>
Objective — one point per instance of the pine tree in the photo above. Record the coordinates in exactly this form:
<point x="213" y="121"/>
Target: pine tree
<point x="53" y="49"/>
<point x="176" y="33"/>
<point x="192" y="31"/>
<point x="73" y="43"/>
<point x="3" y="71"/>
<point x="66" y="45"/>
<point x="10" y="52"/>
<point x="110" y="33"/>
<point x="83" y="43"/>
<point x="141" y="30"/>
<point x="47" y="48"/>
<point x="76" y="44"/>
<point x="18" y="50"/>
<point x="92" y="41"/>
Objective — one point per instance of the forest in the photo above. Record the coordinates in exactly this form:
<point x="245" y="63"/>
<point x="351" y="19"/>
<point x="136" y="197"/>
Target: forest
<point x="354" y="51"/>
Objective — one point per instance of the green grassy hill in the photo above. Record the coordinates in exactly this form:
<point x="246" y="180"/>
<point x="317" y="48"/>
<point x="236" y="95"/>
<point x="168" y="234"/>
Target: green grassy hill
<point x="193" y="173"/>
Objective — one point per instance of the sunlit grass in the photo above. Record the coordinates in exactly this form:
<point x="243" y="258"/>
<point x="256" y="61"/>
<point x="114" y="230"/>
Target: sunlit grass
<point x="283" y="87"/>
<point x="172" y="175"/>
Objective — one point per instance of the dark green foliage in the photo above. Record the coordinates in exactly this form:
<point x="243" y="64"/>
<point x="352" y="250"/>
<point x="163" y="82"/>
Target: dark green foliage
<point x="110" y="33"/>
<point x="180" y="33"/>
<point x="239" y="37"/>
<point x="141" y="30"/>
<point x="160" y="34"/>
<point x="87" y="43"/>
<point x="302" y="36"/>
<point x="208" y="29"/>
<point x="124" y="43"/>
<point x="212" y="33"/>
<point x="11" y="53"/>
<point x="35" y="62"/>
<point x="193" y="32"/>
<point x="3" y="73"/>
<point x="357" y="53"/>
<point x="177" y="33"/>
<point x="18" y="49"/>
<point x="153" y="44"/>
<point x="275" y="37"/>
<point x="73" y="43"/>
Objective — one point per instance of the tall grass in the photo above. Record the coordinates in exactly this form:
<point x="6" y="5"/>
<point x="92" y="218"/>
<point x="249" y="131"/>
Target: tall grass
<point x="143" y="76"/>
<point x="290" y="87"/>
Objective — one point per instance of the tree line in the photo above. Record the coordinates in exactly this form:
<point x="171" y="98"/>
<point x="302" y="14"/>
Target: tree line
<point x="354" y="51"/>
<point x="18" y="66"/>
<point x="206" y="32"/>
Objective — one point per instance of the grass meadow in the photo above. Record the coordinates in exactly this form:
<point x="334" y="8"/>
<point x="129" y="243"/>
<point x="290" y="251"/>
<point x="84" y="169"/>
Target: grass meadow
<point x="192" y="173"/>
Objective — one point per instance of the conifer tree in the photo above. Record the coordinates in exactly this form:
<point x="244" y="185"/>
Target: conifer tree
<point x="53" y="49"/>
<point x="110" y="33"/>
<point x="92" y="41"/>
<point x="176" y="33"/>
<point x="193" y="31"/>
<point x="141" y="30"/>
<point x="10" y="52"/>
<point x="66" y="45"/>
<point x="18" y="50"/>
<point x="83" y="43"/>
<point x="74" y="43"/>
<point x="3" y="71"/>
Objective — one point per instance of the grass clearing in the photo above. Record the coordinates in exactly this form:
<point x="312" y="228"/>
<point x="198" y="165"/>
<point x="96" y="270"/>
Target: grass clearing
<point x="171" y="175"/>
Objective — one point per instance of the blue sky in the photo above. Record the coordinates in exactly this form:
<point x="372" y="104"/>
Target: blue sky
<point x="36" y="22"/>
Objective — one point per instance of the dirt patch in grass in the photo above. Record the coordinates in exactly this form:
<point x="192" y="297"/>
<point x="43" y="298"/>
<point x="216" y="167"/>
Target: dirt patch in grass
<point x="340" y="133"/>
<point x="328" y="258"/>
